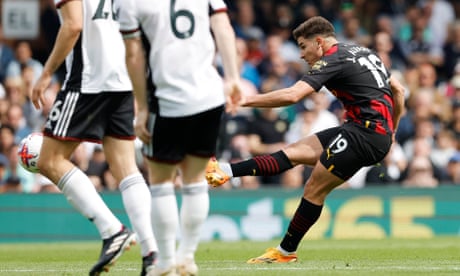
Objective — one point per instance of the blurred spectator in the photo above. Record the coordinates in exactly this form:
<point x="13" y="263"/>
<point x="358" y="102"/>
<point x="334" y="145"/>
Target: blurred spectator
<point x="420" y="174"/>
<point x="440" y="14"/>
<point x="352" y="33"/>
<point x="428" y="79"/>
<point x="417" y="48"/>
<point x="247" y="69"/>
<point x="419" y="108"/>
<point x="24" y="58"/>
<point x="4" y="106"/>
<point x="454" y="124"/>
<point x="453" y="168"/>
<point x="7" y="138"/>
<point x="306" y="10"/>
<point x="451" y="51"/>
<point x="6" y="56"/>
<point x="424" y="129"/>
<point x="390" y="170"/>
<point x="3" y="168"/>
<point x="346" y="11"/>
<point x="97" y="167"/>
<point x="244" y="19"/>
<point x="444" y="148"/>
<point x="254" y="43"/>
<point x="14" y="87"/>
<point x="423" y="148"/>
<point x="21" y="179"/>
<point x="17" y="120"/>
<point x="388" y="51"/>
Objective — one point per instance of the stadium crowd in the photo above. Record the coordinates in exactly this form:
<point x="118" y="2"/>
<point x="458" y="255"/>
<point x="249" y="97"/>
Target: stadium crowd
<point x="419" y="41"/>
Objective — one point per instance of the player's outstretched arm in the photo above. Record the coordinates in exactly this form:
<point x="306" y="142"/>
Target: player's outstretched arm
<point x="69" y="32"/>
<point x="226" y="45"/>
<point x="398" y="99"/>
<point x="280" y="97"/>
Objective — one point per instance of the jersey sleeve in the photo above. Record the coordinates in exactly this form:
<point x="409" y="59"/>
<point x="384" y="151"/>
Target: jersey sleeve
<point x="216" y="6"/>
<point x="321" y="72"/>
<point x="127" y="18"/>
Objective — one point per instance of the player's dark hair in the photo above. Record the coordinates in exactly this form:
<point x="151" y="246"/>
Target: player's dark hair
<point x="316" y="25"/>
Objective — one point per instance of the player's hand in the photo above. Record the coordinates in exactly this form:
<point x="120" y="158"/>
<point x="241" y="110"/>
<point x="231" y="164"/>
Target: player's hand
<point x="38" y="91"/>
<point x="140" y="126"/>
<point x="234" y="93"/>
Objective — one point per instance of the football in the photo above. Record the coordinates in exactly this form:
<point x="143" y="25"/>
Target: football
<point x="29" y="151"/>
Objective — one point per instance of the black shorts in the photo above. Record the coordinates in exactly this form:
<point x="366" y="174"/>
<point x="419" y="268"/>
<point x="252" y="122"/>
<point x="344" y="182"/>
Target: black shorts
<point x="350" y="147"/>
<point x="89" y="117"/>
<point x="173" y="138"/>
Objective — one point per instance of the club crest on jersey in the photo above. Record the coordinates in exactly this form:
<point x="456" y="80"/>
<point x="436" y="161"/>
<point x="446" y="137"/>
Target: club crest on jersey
<point x="318" y="65"/>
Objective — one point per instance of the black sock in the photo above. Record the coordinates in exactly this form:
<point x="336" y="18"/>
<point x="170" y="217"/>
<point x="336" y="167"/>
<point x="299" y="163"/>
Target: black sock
<point x="265" y="165"/>
<point x="305" y="216"/>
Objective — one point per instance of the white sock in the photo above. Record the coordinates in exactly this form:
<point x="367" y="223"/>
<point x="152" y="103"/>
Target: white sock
<point x="165" y="221"/>
<point x="193" y="213"/>
<point x="137" y="201"/>
<point x="284" y="252"/>
<point x="226" y="168"/>
<point x="81" y="193"/>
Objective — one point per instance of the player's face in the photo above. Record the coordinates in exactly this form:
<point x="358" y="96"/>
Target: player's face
<point x="310" y="51"/>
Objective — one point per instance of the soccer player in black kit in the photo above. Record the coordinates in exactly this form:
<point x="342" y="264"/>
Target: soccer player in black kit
<point x="374" y="103"/>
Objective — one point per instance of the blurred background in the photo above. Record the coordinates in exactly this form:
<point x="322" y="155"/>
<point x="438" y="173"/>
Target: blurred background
<point x="419" y="42"/>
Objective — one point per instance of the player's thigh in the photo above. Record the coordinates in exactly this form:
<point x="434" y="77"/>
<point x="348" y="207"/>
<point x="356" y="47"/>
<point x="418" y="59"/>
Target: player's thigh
<point x="305" y="151"/>
<point x="120" y="156"/>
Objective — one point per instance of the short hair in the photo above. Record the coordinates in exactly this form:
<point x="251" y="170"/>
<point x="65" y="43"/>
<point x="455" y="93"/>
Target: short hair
<point x="316" y="25"/>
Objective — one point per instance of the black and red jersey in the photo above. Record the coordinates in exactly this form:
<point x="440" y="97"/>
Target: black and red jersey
<point x="359" y="79"/>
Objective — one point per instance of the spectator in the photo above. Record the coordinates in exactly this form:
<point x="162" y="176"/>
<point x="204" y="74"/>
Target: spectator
<point x="7" y="138"/>
<point x="247" y="69"/>
<point x="3" y="167"/>
<point x="24" y="58"/>
<point x="445" y="146"/>
<point x="4" y="106"/>
<point x="391" y="169"/>
<point x="454" y="124"/>
<point x="451" y="51"/>
<point x="6" y="56"/>
<point x="18" y="122"/>
<point x="388" y="51"/>
<point x="420" y="174"/>
<point x="453" y="168"/>
<point x="353" y="33"/>
<point x="18" y="177"/>
<point x="440" y="14"/>
<point x="244" y="19"/>
<point x="97" y="169"/>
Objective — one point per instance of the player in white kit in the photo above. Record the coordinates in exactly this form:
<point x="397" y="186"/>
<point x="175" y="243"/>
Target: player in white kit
<point x="179" y="110"/>
<point x="95" y="104"/>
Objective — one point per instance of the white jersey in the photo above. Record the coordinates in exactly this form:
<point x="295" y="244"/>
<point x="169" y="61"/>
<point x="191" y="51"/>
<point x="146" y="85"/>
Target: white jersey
<point x="181" y="53"/>
<point x="97" y="62"/>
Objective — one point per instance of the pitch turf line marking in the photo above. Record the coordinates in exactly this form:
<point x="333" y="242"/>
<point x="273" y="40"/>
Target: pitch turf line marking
<point x="58" y="270"/>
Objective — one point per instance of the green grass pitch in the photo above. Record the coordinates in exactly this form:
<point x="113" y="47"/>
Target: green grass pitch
<point x="436" y="256"/>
